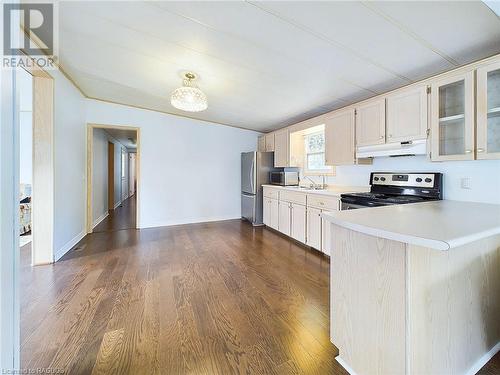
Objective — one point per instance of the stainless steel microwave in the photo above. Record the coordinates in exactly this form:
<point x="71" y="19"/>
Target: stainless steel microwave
<point x="284" y="178"/>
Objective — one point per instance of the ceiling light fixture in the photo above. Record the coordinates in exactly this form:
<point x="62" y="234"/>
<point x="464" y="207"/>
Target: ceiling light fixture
<point x="189" y="97"/>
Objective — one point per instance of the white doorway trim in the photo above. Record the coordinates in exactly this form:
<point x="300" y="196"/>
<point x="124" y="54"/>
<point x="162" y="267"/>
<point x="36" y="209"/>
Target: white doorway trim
<point x="9" y="221"/>
<point x="90" y="133"/>
<point x="42" y="197"/>
<point x="42" y="189"/>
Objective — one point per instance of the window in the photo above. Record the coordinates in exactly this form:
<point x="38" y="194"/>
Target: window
<point x="314" y="163"/>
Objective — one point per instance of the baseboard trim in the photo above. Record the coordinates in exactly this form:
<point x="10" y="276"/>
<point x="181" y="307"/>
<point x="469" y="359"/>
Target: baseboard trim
<point x="472" y="371"/>
<point x="99" y="219"/>
<point x="69" y="245"/>
<point x="484" y="360"/>
<point x="298" y="243"/>
<point x="345" y="365"/>
<point x="187" y="221"/>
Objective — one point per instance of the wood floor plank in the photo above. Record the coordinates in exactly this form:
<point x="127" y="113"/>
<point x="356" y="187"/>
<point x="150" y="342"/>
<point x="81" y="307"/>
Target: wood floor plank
<point x="210" y="298"/>
<point x="107" y="361"/>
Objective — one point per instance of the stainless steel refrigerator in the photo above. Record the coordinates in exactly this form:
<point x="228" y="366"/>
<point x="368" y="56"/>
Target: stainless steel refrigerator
<point x="255" y="168"/>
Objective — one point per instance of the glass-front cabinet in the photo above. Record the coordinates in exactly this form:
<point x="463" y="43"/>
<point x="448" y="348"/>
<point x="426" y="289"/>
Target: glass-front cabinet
<point x="452" y="117"/>
<point x="488" y="111"/>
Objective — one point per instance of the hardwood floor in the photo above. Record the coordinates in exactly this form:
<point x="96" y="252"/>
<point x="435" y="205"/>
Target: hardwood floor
<point x="217" y="298"/>
<point x="214" y="298"/>
<point x="123" y="217"/>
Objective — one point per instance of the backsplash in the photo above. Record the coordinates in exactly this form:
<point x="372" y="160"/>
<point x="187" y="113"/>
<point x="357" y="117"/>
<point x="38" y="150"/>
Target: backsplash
<point x="484" y="176"/>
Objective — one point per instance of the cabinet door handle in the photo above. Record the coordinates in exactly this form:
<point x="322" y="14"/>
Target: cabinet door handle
<point x="480" y="150"/>
<point x="468" y="151"/>
<point x="381" y="137"/>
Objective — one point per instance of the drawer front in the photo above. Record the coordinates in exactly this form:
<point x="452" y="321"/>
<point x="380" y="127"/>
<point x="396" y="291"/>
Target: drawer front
<point x="323" y="202"/>
<point x="270" y="192"/>
<point x="293" y="197"/>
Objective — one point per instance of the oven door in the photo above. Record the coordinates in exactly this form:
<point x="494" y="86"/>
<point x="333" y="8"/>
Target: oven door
<point x="354" y="206"/>
<point x="351" y="206"/>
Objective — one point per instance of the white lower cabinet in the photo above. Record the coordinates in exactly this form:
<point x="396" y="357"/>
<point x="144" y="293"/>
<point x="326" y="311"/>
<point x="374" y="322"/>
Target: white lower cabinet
<point x="325" y="234"/>
<point x="292" y="220"/>
<point x="314" y="228"/>
<point x="266" y="211"/>
<point x="284" y="218"/>
<point x="299" y="215"/>
<point x="298" y="225"/>
<point x="318" y="230"/>
<point x="271" y="212"/>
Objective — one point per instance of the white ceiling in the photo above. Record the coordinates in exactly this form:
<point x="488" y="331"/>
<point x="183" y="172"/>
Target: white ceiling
<point x="127" y="138"/>
<point x="264" y="65"/>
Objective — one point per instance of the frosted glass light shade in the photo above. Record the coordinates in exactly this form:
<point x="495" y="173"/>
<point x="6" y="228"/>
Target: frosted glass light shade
<point x="190" y="99"/>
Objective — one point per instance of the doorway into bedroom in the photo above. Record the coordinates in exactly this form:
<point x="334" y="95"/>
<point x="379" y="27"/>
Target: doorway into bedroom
<point x="112" y="182"/>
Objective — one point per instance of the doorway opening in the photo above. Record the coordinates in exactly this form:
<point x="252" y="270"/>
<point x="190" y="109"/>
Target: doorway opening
<point x="112" y="170"/>
<point x="36" y="165"/>
<point x="25" y="84"/>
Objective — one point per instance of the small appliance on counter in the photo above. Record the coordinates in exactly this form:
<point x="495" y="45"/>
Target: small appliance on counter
<point x="388" y="188"/>
<point x="286" y="177"/>
<point x="255" y="170"/>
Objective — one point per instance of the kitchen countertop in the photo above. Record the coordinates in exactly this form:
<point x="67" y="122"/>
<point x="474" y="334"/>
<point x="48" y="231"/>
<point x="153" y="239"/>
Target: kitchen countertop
<point x="441" y="225"/>
<point x="330" y="190"/>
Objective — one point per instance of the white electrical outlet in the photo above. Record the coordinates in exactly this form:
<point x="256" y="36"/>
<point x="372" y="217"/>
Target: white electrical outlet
<point x="466" y="183"/>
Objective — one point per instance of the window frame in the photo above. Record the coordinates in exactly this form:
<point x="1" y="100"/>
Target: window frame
<point x="316" y="172"/>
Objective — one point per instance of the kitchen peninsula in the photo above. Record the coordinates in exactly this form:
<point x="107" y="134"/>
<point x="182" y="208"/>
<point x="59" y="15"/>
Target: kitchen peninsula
<point x="415" y="288"/>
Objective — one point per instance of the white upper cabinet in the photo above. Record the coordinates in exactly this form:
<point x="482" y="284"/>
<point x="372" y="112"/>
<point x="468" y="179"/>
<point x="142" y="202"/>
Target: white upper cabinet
<point x="269" y="142"/>
<point x="452" y="117"/>
<point x="281" y="148"/>
<point x="488" y="112"/>
<point x="370" y="123"/>
<point x="407" y="115"/>
<point x="261" y="143"/>
<point x="340" y="139"/>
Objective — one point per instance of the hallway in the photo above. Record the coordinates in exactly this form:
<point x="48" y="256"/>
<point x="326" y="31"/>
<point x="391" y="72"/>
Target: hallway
<point x="123" y="217"/>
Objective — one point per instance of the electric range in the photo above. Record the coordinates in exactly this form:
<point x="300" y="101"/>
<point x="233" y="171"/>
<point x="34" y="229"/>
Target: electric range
<point x="388" y="188"/>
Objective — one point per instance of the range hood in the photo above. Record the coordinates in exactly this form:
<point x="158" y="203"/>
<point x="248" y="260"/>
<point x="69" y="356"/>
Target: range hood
<point x="418" y="147"/>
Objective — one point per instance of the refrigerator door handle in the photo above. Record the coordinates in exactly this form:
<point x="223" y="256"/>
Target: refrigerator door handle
<point x="252" y="176"/>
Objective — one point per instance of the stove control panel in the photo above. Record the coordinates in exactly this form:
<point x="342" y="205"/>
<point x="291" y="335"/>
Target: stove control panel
<point x="422" y="180"/>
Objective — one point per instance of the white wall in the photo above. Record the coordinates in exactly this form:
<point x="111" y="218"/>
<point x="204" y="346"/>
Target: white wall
<point x="70" y="136"/>
<point x="25" y="84"/>
<point x="484" y="174"/>
<point x="25" y="147"/>
<point x="119" y="188"/>
<point x="131" y="175"/>
<point x="99" y="176"/>
<point x="189" y="169"/>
